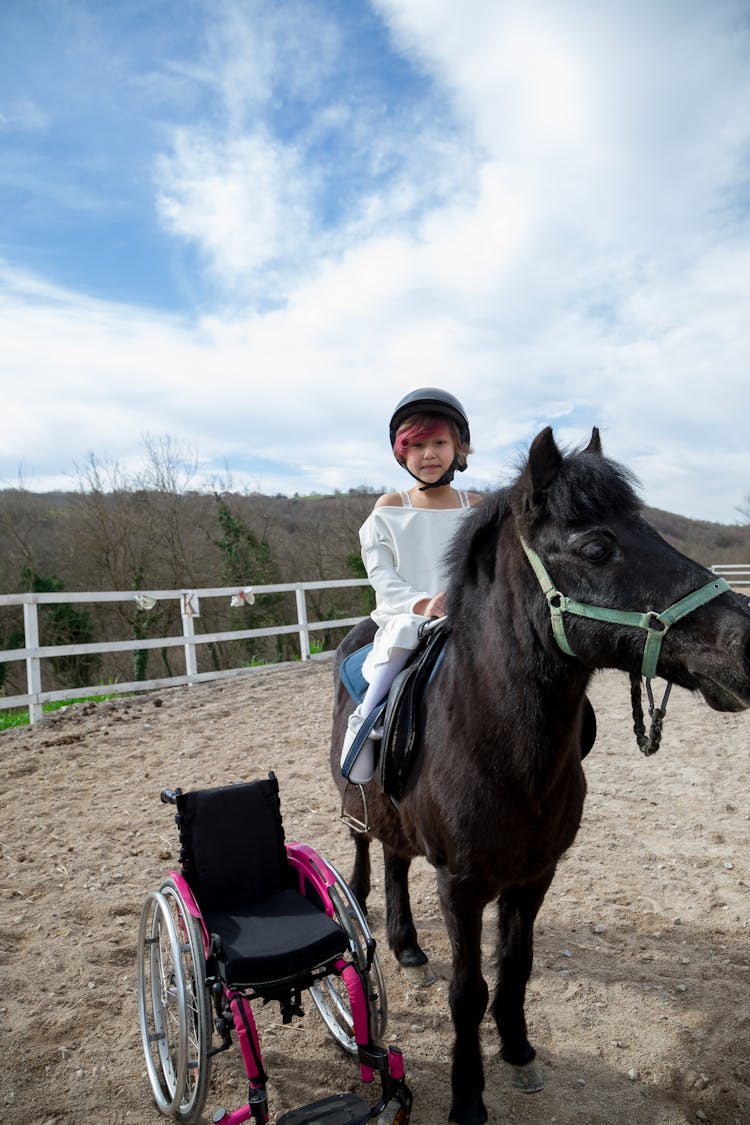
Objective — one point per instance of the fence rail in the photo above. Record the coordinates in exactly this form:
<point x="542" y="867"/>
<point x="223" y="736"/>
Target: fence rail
<point x="189" y="602"/>
<point x="736" y="574"/>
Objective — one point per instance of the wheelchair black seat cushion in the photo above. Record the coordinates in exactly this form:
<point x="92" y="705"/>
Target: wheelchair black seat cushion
<point x="277" y="939"/>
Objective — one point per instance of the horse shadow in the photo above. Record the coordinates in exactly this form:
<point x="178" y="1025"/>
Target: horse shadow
<point x="625" y="1033"/>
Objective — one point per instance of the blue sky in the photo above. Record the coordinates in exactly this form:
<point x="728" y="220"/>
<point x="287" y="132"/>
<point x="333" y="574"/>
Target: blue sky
<point x="253" y="225"/>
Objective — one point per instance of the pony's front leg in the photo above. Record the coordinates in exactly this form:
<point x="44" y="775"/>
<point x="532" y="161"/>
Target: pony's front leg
<point x="359" y="882"/>
<point x="462" y="908"/>
<point x="402" y="933"/>
<point x="517" y="910"/>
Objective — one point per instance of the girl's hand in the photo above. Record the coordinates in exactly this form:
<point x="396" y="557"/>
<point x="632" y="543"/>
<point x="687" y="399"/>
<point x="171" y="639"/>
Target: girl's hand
<point x="437" y="606"/>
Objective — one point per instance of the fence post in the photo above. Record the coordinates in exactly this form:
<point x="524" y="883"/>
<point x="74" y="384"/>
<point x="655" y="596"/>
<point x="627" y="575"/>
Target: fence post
<point x="189" y="610"/>
<point x="33" y="663"/>
<point x="304" y="634"/>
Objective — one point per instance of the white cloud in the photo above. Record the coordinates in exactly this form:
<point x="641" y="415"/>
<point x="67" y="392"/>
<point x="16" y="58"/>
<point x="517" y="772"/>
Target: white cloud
<point x="562" y="241"/>
<point x="266" y="203"/>
<point x="243" y="203"/>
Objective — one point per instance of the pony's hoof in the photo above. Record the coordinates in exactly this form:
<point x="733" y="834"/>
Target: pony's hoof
<point x="528" y="1079"/>
<point x="420" y="975"/>
<point x="469" y="1112"/>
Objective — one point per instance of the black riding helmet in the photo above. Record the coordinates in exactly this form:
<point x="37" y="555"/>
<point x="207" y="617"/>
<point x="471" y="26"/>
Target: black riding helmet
<point x="431" y="400"/>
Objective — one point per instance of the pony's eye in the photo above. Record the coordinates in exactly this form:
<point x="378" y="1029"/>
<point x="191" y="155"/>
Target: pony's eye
<point x="596" y="550"/>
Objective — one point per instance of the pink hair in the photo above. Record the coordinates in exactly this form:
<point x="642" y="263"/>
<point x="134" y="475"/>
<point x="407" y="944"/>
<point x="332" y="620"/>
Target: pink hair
<point x="420" y="427"/>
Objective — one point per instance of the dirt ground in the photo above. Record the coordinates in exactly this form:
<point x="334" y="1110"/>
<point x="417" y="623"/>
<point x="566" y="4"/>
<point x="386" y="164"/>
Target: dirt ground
<point x="640" y="999"/>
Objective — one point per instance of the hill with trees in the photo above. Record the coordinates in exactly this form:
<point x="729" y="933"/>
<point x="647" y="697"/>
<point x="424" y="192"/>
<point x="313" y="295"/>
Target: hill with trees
<point x="158" y="534"/>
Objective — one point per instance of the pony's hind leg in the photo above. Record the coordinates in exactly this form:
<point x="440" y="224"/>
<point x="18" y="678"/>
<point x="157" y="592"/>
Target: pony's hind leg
<point x="402" y="933"/>
<point x="468" y="994"/>
<point x="517" y="910"/>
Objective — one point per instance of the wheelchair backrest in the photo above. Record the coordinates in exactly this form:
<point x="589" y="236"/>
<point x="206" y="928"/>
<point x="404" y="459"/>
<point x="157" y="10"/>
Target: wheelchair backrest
<point x="232" y="843"/>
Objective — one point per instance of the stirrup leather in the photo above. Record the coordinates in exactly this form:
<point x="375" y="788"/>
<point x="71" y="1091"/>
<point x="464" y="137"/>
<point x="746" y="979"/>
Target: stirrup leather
<point x="365" y="731"/>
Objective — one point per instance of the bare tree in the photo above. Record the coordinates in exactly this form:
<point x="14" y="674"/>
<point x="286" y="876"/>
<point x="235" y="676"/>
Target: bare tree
<point x="19" y="518"/>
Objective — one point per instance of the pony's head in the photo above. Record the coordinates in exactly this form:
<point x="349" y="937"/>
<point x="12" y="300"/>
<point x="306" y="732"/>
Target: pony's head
<point x="580" y="516"/>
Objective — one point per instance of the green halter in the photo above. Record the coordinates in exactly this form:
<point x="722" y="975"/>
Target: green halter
<point x="655" y="624"/>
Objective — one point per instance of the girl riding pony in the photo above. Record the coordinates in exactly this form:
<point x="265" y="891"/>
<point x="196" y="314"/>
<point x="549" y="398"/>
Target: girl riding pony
<point x="403" y="543"/>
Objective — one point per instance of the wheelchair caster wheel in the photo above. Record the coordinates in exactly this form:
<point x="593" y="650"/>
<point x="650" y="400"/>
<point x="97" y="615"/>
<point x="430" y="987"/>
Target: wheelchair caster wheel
<point x="394" y="1114"/>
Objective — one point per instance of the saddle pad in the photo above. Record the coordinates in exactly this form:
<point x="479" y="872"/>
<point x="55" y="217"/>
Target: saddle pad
<point x="351" y="673"/>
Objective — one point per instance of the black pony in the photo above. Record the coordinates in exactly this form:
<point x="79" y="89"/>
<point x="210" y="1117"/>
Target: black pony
<point x="497" y="791"/>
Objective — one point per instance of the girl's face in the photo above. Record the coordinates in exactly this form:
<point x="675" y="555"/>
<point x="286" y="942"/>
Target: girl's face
<point x="429" y="457"/>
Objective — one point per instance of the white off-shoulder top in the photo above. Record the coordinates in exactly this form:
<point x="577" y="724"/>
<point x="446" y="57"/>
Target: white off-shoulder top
<point x="403" y="551"/>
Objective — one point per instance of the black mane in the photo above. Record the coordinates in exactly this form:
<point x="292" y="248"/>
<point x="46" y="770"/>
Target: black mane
<point x="473" y="548"/>
<point x="588" y="488"/>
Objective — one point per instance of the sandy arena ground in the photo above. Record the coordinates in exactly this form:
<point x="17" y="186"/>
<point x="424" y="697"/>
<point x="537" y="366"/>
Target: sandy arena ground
<point x="640" y="999"/>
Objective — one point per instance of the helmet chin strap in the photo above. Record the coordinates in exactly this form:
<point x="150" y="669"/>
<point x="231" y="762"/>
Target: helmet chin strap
<point x="446" y="478"/>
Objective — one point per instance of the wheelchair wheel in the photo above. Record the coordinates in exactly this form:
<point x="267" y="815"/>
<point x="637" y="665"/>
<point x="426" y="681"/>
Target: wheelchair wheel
<point x="331" y="995"/>
<point x="173" y="1004"/>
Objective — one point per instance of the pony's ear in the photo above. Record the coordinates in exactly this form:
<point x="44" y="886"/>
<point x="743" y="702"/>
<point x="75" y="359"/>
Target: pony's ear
<point x="595" y="445"/>
<point x="542" y="467"/>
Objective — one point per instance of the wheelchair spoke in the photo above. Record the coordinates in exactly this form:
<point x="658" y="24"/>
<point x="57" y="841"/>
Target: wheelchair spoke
<point x="341" y="1010"/>
<point x="331" y="995"/>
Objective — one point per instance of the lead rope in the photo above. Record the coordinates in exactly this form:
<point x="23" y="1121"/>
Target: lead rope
<point x="649" y="743"/>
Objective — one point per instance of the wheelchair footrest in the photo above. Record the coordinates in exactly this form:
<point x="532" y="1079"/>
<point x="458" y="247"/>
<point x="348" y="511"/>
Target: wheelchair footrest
<point x="338" y="1109"/>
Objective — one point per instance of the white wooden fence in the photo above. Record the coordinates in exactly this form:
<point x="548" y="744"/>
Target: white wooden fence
<point x="737" y="574"/>
<point x="189" y="600"/>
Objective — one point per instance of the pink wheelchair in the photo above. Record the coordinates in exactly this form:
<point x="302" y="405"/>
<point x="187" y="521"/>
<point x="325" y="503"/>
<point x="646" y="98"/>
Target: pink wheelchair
<point x="249" y="917"/>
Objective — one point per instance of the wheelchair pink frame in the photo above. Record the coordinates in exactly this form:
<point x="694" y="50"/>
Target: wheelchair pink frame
<point x="314" y="872"/>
